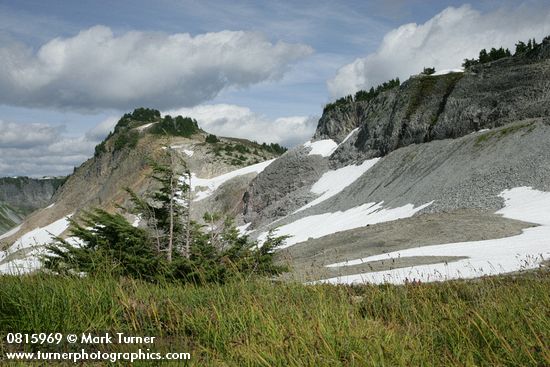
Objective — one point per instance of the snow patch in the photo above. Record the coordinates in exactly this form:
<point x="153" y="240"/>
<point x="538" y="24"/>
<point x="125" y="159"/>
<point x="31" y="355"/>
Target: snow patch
<point x="333" y="182"/>
<point x="320" y="225"/>
<point x="187" y="152"/>
<point x="143" y="127"/>
<point x="349" y="136"/>
<point x="322" y="147"/>
<point x="243" y="230"/>
<point x="21" y="266"/>
<point x="137" y="219"/>
<point x="41" y="236"/>
<point x="489" y="257"/>
<point x="50" y="206"/>
<point x="448" y="71"/>
<point x="34" y="240"/>
<point x="211" y="184"/>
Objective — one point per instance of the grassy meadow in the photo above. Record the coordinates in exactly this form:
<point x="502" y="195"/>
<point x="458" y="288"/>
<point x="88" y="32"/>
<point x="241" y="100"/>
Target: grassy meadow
<point x="497" y="321"/>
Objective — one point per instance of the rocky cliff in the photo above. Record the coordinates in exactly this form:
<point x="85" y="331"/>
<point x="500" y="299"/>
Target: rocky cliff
<point x="19" y="196"/>
<point x="434" y="107"/>
<point x="122" y="161"/>
<point x="460" y="160"/>
<point x="424" y="108"/>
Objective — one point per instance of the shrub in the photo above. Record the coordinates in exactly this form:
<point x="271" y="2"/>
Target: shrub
<point x="127" y="138"/>
<point x="428" y="71"/>
<point x="497" y="54"/>
<point x="212" y="139"/>
<point x="241" y="149"/>
<point x="179" y="126"/>
<point x="363" y="95"/>
<point x="170" y="247"/>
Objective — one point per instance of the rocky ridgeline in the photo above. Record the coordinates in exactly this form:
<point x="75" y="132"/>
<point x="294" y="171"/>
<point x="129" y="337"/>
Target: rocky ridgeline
<point x="122" y="161"/>
<point x="426" y="108"/>
<point x="511" y="91"/>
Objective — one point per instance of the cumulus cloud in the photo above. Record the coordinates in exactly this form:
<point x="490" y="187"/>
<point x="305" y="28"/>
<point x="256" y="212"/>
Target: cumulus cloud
<point x="16" y="136"/>
<point x="101" y="130"/>
<point x="98" y="69"/>
<point x="442" y="42"/>
<point x="236" y="121"/>
<point x="42" y="150"/>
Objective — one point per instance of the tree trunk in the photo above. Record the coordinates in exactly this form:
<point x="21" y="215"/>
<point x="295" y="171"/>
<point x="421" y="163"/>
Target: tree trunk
<point x="171" y="210"/>
<point x="188" y="226"/>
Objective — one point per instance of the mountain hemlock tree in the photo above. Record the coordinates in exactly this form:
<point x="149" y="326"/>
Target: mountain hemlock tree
<point x="171" y="246"/>
<point x="166" y="210"/>
<point x="428" y="71"/>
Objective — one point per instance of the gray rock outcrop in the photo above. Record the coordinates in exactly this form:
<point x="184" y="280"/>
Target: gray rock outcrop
<point x="512" y="94"/>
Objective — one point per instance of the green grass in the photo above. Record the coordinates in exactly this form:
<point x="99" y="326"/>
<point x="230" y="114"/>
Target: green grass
<point x="428" y="85"/>
<point x="490" y="322"/>
<point x="500" y="133"/>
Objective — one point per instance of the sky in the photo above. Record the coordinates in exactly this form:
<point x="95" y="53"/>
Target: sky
<point x="261" y="70"/>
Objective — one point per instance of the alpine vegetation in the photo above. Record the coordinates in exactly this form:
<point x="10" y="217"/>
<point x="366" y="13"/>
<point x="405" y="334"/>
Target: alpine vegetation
<point x="170" y="246"/>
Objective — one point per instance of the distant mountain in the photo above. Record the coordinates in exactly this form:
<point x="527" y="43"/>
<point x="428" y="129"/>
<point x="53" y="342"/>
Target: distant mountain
<point x="19" y="196"/>
<point x="122" y="161"/>
<point x="444" y="176"/>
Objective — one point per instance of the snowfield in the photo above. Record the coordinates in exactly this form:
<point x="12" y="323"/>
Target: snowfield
<point x="143" y="127"/>
<point x="333" y="182"/>
<point x="41" y="236"/>
<point x="489" y="257"/>
<point x="322" y="147"/>
<point x="316" y="226"/>
<point x="448" y="71"/>
<point x="326" y="147"/>
<point x="349" y="135"/>
<point x="182" y="147"/>
<point x="34" y="240"/>
<point x="211" y="184"/>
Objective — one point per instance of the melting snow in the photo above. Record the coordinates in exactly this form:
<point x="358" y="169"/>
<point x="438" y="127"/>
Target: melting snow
<point x="41" y="236"/>
<point x="21" y="266"/>
<point x="243" y="229"/>
<point x="187" y="152"/>
<point x="143" y="127"/>
<point x="316" y="226"/>
<point x="35" y="240"/>
<point x="524" y="251"/>
<point x="211" y="184"/>
<point x="322" y="147"/>
<point x="137" y="219"/>
<point x="448" y="71"/>
<point x="349" y="136"/>
<point x="333" y="182"/>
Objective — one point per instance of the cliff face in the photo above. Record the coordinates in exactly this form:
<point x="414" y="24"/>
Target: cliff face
<point x="426" y="108"/>
<point x="20" y="196"/>
<point x="122" y="161"/>
<point x="421" y="110"/>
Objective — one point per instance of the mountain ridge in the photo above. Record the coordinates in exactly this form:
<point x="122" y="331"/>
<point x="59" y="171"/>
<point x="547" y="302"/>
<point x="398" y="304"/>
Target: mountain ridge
<point x="436" y="148"/>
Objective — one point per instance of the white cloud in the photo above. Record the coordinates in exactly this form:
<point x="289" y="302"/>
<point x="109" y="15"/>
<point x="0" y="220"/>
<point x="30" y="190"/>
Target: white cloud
<point x="101" y="130"/>
<point x="236" y="121"/>
<point x="13" y="135"/>
<point x="442" y="42"/>
<point x="98" y="69"/>
<point x="43" y="150"/>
